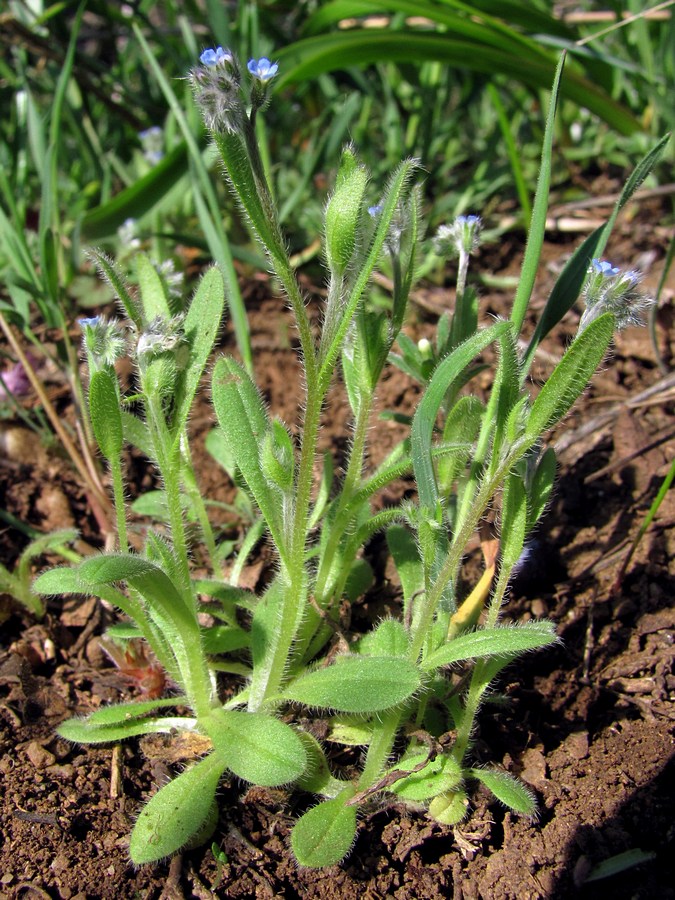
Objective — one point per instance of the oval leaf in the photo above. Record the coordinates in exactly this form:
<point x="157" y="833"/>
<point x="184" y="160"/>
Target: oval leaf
<point x="177" y="812"/>
<point x="62" y="580"/>
<point x="325" y="834"/>
<point x="509" y="790"/>
<point x="357" y="684"/>
<point x="258" y="748"/>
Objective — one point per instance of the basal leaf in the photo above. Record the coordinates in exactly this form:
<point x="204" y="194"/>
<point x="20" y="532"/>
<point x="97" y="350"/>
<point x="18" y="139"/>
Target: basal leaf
<point x="122" y="713"/>
<point x="177" y="811"/>
<point x="440" y="774"/>
<point x="325" y="834"/>
<point x="509" y="790"/>
<point x="82" y="731"/>
<point x="258" y="748"/>
<point x="357" y="684"/>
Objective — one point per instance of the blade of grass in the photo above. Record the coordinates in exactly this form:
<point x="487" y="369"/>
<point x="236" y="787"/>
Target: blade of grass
<point x="535" y="237"/>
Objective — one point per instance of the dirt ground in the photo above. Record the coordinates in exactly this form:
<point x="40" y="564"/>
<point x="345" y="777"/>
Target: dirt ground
<point x="588" y="725"/>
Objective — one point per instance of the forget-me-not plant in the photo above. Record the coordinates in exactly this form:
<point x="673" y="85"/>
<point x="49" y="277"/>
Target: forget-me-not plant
<point x="409" y="690"/>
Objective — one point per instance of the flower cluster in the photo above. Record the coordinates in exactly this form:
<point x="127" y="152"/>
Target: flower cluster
<point x="104" y="341"/>
<point x="217" y="88"/>
<point x="462" y="237"/>
<point x="608" y="289"/>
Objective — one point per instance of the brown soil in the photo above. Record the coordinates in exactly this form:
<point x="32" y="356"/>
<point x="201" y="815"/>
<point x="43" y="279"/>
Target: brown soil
<point x="589" y="725"/>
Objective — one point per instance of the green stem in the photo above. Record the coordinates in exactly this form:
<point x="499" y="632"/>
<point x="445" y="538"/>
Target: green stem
<point x="344" y="511"/>
<point x="465" y="726"/>
<point x="167" y="454"/>
<point x="450" y="568"/>
<point x="295" y="591"/>
<point x="120" y="505"/>
<point x="379" y="749"/>
<point x="195" y="495"/>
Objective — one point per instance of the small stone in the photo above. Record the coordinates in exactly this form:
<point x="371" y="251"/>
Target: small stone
<point x="40" y="757"/>
<point x="539" y="608"/>
<point x="577" y="745"/>
<point x="66" y="771"/>
<point x="534" y="768"/>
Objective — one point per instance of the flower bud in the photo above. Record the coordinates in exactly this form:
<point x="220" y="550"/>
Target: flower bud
<point x="608" y="289"/>
<point x="103" y="341"/>
<point x="343" y="212"/>
<point x="462" y="237"/>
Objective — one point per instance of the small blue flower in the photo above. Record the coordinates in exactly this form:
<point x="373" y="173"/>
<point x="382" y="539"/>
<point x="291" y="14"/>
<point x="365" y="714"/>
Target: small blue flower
<point x="262" y="69"/>
<point x="215" y="57"/>
<point x="472" y="221"/>
<point x="89" y="323"/>
<point x="375" y="211"/>
<point x="605" y="268"/>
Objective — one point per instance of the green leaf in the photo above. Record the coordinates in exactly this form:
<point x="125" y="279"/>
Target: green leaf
<point x="450" y="807"/>
<point x="122" y="713"/>
<point x="257" y="747"/>
<point x="109" y="568"/>
<point x="513" y="528"/>
<point x="325" y="834"/>
<point x="620" y="862"/>
<point x="244" y="423"/>
<point x="153" y="295"/>
<point x="317" y="778"/>
<point x="109" y="272"/>
<point x="423" y="423"/>
<point x="61" y="580"/>
<point x="535" y="238"/>
<point x="509" y="790"/>
<point x="305" y="59"/>
<point x="404" y="552"/>
<point x="441" y="774"/>
<point x="137" y="434"/>
<point x="359" y="579"/>
<point x="570" y="377"/>
<point x="177" y="811"/>
<point x="570" y="281"/>
<point x="224" y="639"/>
<point x="541" y="488"/>
<point x="502" y="640"/>
<point x="82" y="731"/>
<point x="201" y="326"/>
<point x="357" y="684"/>
<point x="106" y="417"/>
<point x="461" y="429"/>
<point x="354" y="731"/>
<point x="390" y="638"/>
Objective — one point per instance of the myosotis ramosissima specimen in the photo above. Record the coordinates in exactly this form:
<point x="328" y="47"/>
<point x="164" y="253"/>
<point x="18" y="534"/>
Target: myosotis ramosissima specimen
<point x="393" y="690"/>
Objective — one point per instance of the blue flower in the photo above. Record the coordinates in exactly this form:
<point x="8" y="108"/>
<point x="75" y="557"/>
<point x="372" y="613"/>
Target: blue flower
<point x="215" y="57"/>
<point x="262" y="69"/>
<point x="375" y="211"/>
<point x="468" y="220"/>
<point x="89" y="323"/>
<point x="605" y="268"/>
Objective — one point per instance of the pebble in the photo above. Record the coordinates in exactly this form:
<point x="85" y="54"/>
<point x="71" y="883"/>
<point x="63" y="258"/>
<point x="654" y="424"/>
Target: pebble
<point x="577" y="745"/>
<point x="40" y="757"/>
